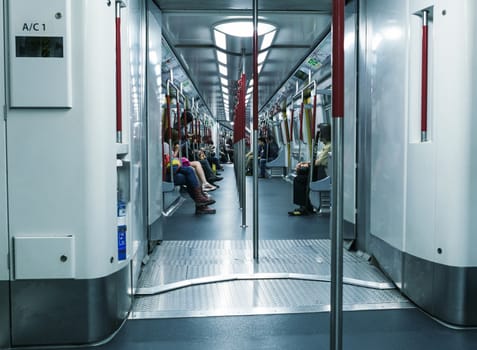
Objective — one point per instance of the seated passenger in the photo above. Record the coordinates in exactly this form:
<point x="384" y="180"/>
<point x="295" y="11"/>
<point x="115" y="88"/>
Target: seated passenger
<point x="209" y="173"/>
<point x="271" y="152"/>
<point x="206" y="186"/>
<point x="302" y="180"/>
<point x="185" y="175"/>
<point x="249" y="156"/>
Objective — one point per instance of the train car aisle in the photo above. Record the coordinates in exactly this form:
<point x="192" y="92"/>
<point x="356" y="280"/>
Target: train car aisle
<point x="204" y="267"/>
<point x="275" y="200"/>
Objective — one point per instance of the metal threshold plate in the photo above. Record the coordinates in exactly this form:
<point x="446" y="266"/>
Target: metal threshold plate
<point x="220" y="278"/>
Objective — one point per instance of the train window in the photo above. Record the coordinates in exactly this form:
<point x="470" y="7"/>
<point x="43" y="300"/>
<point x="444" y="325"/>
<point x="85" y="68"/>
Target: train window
<point x="327" y="109"/>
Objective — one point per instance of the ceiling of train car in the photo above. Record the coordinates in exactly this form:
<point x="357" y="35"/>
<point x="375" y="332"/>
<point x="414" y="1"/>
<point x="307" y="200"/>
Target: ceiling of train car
<point x="188" y="27"/>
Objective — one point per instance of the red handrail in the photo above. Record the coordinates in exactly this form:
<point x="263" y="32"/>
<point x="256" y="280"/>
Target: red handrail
<point x="119" y="117"/>
<point x="313" y="118"/>
<point x="424" y="75"/>
<point x="338" y="59"/>
<point x="301" y="121"/>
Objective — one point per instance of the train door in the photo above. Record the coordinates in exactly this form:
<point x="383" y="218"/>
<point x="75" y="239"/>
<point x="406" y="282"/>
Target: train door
<point x="4" y="246"/>
<point x="349" y="138"/>
<point x="154" y="125"/>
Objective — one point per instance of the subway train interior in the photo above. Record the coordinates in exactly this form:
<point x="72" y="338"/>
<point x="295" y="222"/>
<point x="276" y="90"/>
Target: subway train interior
<point x="238" y="174"/>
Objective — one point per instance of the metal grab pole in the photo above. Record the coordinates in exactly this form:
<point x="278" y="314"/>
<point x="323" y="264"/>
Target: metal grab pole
<point x="336" y="318"/>
<point x="424" y="75"/>
<point x="255" y="130"/>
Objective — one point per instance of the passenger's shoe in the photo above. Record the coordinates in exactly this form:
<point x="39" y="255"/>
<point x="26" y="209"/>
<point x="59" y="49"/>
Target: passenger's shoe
<point x="215" y="179"/>
<point x="200" y="199"/>
<point x="208" y="187"/>
<point x="204" y="210"/>
<point x="298" y="212"/>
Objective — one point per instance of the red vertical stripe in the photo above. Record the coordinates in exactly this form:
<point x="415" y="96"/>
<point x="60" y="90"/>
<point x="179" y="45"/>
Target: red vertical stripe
<point x="291" y="124"/>
<point x="313" y="118"/>
<point x="301" y="121"/>
<point x="338" y="59"/>
<point x="255" y="78"/>
<point x="424" y="77"/>
<point x="179" y="131"/>
<point x="119" y="118"/>
<point x="242" y="102"/>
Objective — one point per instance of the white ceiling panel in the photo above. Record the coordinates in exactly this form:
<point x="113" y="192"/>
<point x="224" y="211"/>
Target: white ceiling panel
<point x="188" y="29"/>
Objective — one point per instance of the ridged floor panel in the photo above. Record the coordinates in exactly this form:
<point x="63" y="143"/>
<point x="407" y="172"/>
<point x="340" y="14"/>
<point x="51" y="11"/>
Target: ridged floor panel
<point x="246" y="293"/>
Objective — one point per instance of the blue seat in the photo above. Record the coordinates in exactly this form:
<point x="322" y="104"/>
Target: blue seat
<point x="320" y="186"/>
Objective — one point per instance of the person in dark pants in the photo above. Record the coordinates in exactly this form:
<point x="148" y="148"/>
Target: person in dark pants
<point x="270" y="153"/>
<point x="302" y="180"/>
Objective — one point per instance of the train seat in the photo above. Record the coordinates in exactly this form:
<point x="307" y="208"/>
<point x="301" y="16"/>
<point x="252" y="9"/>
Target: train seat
<point x="320" y="190"/>
<point x="277" y="166"/>
<point x="171" y="198"/>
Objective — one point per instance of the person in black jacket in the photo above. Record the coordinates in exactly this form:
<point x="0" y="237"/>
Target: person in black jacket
<point x="302" y="179"/>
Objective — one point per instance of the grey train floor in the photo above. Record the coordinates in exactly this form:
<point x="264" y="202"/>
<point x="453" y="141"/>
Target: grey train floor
<point x="380" y="329"/>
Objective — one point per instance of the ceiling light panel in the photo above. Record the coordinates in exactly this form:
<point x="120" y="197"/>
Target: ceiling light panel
<point x="267" y="40"/>
<point x="222" y="57"/>
<point x="223" y="69"/>
<point x="220" y="40"/>
<point x="243" y="28"/>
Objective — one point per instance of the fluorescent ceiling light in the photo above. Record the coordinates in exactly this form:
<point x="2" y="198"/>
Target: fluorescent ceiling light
<point x="153" y="57"/>
<point x="261" y="57"/>
<point x="223" y="70"/>
<point x="224" y="81"/>
<point x="221" y="57"/>
<point x="267" y="40"/>
<point x="220" y="40"/>
<point x="225" y="90"/>
<point x="244" y="28"/>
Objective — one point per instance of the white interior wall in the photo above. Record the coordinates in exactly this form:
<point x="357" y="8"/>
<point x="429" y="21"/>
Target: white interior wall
<point x="349" y="138"/>
<point x="386" y="57"/>
<point x="62" y="162"/>
<point x="4" y="272"/>
<point x="154" y="114"/>
<point x="441" y="192"/>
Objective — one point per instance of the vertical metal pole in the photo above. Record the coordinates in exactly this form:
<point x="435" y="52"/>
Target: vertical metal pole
<point x="255" y="129"/>
<point x="424" y="75"/>
<point x="337" y="238"/>
<point x="336" y="336"/>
